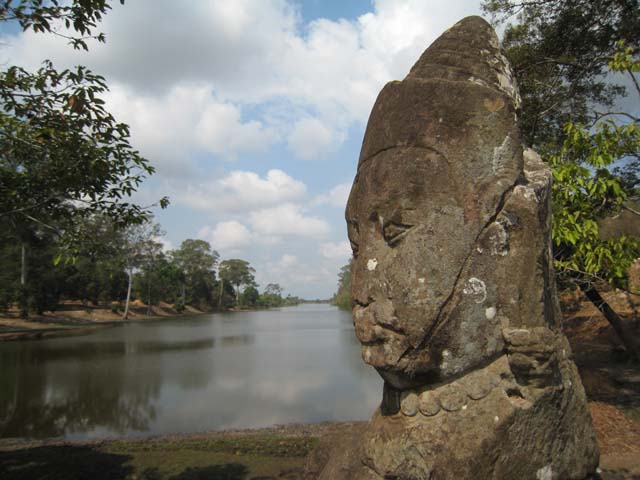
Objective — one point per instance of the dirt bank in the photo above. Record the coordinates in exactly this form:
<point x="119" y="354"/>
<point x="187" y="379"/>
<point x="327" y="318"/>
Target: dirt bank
<point x="75" y="318"/>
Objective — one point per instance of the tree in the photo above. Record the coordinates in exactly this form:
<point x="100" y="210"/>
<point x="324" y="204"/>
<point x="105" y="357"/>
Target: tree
<point x="250" y="296"/>
<point x="272" y="296"/>
<point x="62" y="155"/>
<point x="197" y="261"/>
<point x="273" y="289"/>
<point x="160" y="280"/>
<point x="96" y="270"/>
<point x="342" y="297"/>
<point x="48" y="282"/>
<point x="237" y="272"/>
<point x="139" y="247"/>
<point x="561" y="51"/>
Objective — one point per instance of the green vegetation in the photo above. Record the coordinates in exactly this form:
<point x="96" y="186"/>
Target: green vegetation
<point x="342" y="298"/>
<point x="174" y="458"/>
<point x="574" y="60"/>
<point x="64" y="158"/>
<point x="116" y="265"/>
<point x="237" y="272"/>
<point x="67" y="170"/>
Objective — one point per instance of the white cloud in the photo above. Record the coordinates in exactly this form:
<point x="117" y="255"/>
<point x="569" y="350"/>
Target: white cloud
<point x="336" y="250"/>
<point x="287" y="260"/>
<point x="220" y="130"/>
<point x="172" y="127"/>
<point x="229" y="235"/>
<point x="287" y="219"/>
<point x="250" y="53"/>
<point x="291" y="272"/>
<point x="242" y="191"/>
<point x="336" y="197"/>
<point x="310" y="138"/>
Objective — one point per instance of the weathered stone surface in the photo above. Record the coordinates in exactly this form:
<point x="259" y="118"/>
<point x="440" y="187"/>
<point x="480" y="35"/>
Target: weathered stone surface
<point x="409" y="403"/>
<point x="440" y="157"/>
<point x="452" y="279"/>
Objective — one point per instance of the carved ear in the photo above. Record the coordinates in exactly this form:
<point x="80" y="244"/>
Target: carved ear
<point x="393" y="232"/>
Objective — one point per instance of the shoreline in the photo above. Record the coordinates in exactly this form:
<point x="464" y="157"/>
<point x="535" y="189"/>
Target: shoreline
<point x="70" y="326"/>
<point x="290" y="430"/>
<point x="278" y="448"/>
<point x="53" y="326"/>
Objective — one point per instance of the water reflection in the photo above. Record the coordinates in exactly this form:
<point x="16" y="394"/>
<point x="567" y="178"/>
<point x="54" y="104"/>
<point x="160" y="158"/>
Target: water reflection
<point x="78" y="396"/>
<point x="244" y="339"/>
<point x="246" y="369"/>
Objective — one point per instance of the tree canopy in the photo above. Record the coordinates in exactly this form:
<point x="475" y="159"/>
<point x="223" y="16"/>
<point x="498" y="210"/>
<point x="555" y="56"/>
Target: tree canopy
<point x="574" y="61"/>
<point x="62" y="154"/>
<point x="237" y="272"/>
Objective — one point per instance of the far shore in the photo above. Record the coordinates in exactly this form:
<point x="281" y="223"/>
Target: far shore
<point x="74" y="318"/>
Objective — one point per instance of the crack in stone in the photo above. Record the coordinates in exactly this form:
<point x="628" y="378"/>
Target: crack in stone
<point x="438" y="324"/>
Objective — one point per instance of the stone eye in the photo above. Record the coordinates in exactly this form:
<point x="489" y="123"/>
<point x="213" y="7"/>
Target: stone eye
<point x="393" y="232"/>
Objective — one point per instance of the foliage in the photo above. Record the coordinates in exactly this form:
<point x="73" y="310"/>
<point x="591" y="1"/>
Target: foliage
<point x="561" y="51"/>
<point x="272" y="296"/>
<point x="237" y="272"/>
<point x="249" y="297"/>
<point x="62" y="154"/>
<point x="584" y="191"/>
<point x="196" y="260"/>
<point x="179" y="306"/>
<point x="40" y="16"/>
<point x="342" y="298"/>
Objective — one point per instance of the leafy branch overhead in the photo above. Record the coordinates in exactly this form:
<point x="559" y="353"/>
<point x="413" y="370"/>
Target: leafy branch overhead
<point x="46" y="16"/>
<point x="63" y="155"/>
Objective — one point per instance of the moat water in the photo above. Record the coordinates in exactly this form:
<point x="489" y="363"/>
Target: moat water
<point x="190" y="374"/>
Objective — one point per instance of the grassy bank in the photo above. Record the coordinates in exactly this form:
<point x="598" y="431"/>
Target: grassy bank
<point x="273" y="453"/>
<point x="264" y="454"/>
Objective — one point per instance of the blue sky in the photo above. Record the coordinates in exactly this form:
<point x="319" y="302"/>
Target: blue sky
<point x="253" y="113"/>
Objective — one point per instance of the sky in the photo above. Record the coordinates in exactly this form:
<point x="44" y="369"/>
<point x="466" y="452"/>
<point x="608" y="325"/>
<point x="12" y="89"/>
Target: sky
<point x="253" y="113"/>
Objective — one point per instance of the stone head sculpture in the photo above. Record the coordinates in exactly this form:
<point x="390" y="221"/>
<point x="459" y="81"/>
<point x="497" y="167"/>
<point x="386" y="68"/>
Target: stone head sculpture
<point x="427" y="217"/>
<point x="452" y="283"/>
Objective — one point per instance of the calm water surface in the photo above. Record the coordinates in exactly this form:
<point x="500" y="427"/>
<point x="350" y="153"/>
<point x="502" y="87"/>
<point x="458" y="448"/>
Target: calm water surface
<point x="233" y="370"/>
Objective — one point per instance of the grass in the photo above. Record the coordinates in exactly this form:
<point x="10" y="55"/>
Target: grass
<point x="245" y="457"/>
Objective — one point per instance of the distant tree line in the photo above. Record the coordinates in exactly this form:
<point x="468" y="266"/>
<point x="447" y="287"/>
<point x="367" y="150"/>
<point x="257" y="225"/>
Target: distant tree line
<point x="110" y="265"/>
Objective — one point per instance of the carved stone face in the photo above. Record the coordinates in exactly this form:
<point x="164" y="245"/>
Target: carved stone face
<point x="433" y="277"/>
<point x="401" y="222"/>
